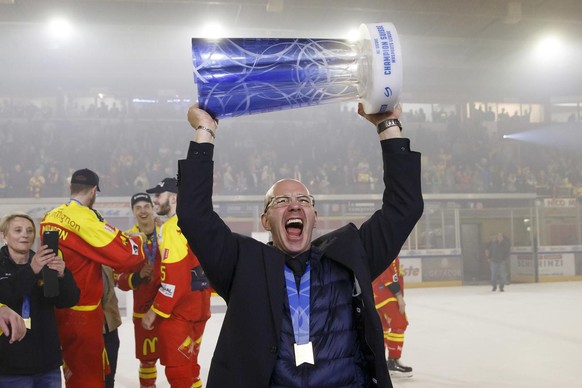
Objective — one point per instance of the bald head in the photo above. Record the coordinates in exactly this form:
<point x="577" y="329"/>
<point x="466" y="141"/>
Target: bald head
<point x="272" y="192"/>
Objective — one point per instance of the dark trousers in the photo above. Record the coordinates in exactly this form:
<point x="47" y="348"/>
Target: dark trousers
<point x="498" y="274"/>
<point x="112" y="347"/>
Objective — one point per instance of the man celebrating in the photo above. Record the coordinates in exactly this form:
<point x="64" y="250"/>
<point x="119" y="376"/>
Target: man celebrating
<point x="144" y="281"/>
<point x="86" y="242"/>
<point x="181" y="306"/>
<point x="300" y="312"/>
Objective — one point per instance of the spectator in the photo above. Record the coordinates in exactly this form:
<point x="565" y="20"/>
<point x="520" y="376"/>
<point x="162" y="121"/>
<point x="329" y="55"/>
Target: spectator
<point x="36" y="184"/>
<point x="34" y="361"/>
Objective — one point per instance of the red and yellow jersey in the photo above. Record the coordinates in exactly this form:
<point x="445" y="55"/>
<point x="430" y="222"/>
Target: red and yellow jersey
<point x="173" y="296"/>
<point x="87" y="241"/>
<point x="144" y="292"/>
<point x="388" y="284"/>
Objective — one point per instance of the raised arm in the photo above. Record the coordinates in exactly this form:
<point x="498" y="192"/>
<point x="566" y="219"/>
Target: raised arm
<point x="209" y="237"/>
<point x="402" y="204"/>
<point x="204" y="125"/>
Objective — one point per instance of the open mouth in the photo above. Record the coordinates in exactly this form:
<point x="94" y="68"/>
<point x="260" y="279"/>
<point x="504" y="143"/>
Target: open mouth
<point x="294" y="227"/>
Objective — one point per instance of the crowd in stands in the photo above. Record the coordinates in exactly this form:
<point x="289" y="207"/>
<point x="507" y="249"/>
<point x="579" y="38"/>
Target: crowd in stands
<point x="132" y="149"/>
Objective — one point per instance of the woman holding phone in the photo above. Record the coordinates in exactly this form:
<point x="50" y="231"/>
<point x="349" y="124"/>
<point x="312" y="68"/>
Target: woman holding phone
<point x="34" y="361"/>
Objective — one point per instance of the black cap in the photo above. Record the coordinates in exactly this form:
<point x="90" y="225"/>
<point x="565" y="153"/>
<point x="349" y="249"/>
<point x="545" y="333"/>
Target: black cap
<point x="167" y="184"/>
<point x="85" y="177"/>
<point x="140" y="197"/>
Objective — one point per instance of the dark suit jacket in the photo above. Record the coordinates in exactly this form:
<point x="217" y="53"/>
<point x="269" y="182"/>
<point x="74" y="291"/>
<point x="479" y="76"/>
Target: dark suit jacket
<point x="249" y="275"/>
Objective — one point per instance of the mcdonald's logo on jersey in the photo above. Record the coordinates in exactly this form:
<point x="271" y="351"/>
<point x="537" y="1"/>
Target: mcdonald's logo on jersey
<point x="149" y="346"/>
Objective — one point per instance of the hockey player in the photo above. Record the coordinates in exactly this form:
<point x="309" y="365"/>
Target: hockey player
<point x="144" y="281"/>
<point x="389" y="298"/>
<point x="181" y="306"/>
<point x="86" y="242"/>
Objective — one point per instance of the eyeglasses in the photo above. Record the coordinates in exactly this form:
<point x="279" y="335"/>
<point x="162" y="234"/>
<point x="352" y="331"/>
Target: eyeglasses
<point x="285" y="200"/>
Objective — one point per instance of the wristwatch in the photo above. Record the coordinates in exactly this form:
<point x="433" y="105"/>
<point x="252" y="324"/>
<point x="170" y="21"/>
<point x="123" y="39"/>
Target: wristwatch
<point x="381" y="127"/>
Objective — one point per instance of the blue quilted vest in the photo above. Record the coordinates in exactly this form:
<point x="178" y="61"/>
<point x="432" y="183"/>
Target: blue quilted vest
<point x="339" y="361"/>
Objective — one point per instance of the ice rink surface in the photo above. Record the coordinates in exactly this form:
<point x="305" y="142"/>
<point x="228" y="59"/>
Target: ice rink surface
<point x="528" y="336"/>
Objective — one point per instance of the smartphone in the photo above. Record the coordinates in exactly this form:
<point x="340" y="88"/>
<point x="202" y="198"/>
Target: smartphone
<point x="50" y="276"/>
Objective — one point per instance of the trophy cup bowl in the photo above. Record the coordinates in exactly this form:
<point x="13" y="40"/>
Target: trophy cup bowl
<point x="240" y="76"/>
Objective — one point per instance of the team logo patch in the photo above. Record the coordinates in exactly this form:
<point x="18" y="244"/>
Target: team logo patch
<point x="134" y="247"/>
<point x="187" y="347"/>
<point x="109" y="228"/>
<point x="167" y="289"/>
<point x="395" y="278"/>
<point x="166" y="254"/>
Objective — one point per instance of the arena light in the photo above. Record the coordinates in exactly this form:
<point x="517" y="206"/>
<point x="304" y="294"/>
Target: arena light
<point x="213" y="31"/>
<point x="549" y="49"/>
<point x="556" y="135"/>
<point x="60" y="28"/>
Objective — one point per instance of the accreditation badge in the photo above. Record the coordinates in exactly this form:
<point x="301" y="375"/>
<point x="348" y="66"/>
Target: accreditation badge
<point x="304" y="353"/>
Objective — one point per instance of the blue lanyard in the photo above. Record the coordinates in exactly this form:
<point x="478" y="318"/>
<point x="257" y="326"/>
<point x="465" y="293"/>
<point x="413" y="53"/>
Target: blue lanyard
<point x="151" y="255"/>
<point x="299" y="304"/>
<point x="26" y="306"/>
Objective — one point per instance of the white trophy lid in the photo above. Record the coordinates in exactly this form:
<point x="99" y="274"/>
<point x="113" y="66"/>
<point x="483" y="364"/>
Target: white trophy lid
<point x="379" y="68"/>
